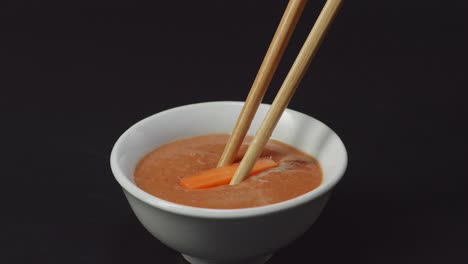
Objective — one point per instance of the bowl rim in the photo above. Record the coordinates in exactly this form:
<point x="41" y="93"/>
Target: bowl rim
<point x="198" y="212"/>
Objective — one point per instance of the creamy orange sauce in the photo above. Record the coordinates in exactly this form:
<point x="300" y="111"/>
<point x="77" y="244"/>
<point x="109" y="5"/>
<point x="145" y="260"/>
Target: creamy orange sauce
<point x="159" y="172"/>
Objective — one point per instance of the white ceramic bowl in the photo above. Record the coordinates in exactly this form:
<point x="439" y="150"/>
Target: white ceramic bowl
<point x="247" y="235"/>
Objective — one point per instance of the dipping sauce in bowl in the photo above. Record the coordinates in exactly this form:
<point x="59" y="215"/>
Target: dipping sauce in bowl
<point x="160" y="171"/>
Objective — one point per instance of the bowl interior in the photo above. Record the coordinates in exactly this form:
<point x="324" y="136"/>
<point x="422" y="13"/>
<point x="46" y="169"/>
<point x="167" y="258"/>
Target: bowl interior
<point x="294" y="128"/>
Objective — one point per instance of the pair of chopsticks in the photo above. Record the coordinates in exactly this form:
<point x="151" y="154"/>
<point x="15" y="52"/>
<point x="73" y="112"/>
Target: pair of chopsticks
<point x="265" y="74"/>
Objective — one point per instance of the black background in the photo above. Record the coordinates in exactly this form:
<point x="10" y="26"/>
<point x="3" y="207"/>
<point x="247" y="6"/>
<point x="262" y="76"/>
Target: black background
<point x="388" y="79"/>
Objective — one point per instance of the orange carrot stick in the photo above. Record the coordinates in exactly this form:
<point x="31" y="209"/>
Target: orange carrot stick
<point x="222" y="175"/>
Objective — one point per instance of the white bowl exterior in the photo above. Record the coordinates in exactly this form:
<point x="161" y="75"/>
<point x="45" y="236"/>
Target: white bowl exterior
<point x="228" y="239"/>
<point x="226" y="234"/>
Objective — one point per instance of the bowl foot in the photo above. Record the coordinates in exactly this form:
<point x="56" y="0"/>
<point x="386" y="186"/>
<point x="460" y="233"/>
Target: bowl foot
<point x="257" y="260"/>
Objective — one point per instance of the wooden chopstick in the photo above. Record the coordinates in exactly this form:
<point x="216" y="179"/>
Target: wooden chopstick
<point x="287" y="90"/>
<point x="262" y="80"/>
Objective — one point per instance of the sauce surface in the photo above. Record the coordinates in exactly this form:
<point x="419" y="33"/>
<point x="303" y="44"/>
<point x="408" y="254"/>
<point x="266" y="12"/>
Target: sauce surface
<point x="159" y="172"/>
